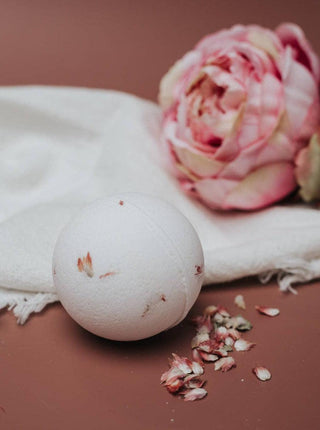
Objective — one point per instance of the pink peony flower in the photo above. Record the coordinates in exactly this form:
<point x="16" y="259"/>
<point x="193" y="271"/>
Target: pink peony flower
<point x="237" y="110"/>
<point x="308" y="170"/>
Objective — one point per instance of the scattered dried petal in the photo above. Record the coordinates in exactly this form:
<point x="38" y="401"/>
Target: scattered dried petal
<point x="198" y="339"/>
<point x="234" y="334"/>
<point x="270" y="312"/>
<point x="243" y="345"/>
<point x="85" y="265"/>
<point x="195" y="394"/>
<point x="229" y="341"/>
<point x="239" y="301"/>
<point x="198" y="270"/>
<point x="196" y="356"/>
<point x="171" y="374"/>
<point x="174" y="386"/>
<point x="262" y="373"/>
<point x="106" y="275"/>
<point x="224" y="364"/>
<point x="208" y="357"/>
<point x="182" y="363"/>
<point x="227" y="348"/>
<point x="220" y="334"/>
<point x="193" y="382"/>
<point x="197" y="369"/>
<point x="210" y="310"/>
<point x="203" y="323"/>
<point x="221" y="352"/>
<point x="239" y="323"/>
<point x="223" y="311"/>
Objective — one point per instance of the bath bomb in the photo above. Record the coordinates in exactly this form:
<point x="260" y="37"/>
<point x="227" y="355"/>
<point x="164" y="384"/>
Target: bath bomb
<point x="128" y="267"/>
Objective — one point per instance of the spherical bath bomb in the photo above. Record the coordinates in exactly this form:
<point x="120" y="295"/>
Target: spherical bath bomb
<point x="128" y="267"/>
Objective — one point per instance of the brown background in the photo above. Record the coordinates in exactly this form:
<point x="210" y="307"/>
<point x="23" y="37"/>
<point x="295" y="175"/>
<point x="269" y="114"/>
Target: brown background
<point x="53" y="374"/>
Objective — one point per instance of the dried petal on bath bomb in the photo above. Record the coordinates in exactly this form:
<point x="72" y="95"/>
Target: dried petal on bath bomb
<point x="262" y="373"/>
<point x="125" y="267"/>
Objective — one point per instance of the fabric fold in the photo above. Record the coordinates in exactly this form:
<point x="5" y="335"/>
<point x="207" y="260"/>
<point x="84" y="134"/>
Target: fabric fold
<point x="62" y="148"/>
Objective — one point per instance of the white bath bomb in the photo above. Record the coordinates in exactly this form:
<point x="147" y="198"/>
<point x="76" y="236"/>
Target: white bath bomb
<point x="128" y="267"/>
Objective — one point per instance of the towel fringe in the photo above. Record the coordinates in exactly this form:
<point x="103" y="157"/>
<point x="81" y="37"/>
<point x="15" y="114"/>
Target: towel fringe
<point x="292" y="271"/>
<point x="24" y="303"/>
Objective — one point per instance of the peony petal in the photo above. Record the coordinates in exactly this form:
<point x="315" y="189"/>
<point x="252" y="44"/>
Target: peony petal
<point x="266" y="40"/>
<point x="198" y="163"/>
<point x="308" y="170"/>
<point x="170" y="79"/>
<point x="262" y="187"/>
<point x="292" y="34"/>
<point x="301" y="94"/>
<point x="214" y="191"/>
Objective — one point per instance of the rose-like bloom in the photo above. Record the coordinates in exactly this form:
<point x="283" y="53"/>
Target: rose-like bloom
<point x="237" y="110"/>
<point x="308" y="170"/>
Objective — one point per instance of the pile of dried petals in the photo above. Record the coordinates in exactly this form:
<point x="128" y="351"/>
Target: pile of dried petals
<point x="218" y="333"/>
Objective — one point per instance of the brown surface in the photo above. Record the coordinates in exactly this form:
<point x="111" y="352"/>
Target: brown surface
<point x="56" y="375"/>
<point x="123" y="44"/>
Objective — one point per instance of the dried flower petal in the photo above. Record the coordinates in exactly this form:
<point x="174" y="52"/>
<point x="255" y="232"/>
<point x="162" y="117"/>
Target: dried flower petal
<point x="229" y="341"/>
<point x="182" y="363"/>
<point x="203" y="323"/>
<point x="195" y="394"/>
<point x="196" y="356"/>
<point x="223" y="311"/>
<point x="234" y="334"/>
<point x="239" y="323"/>
<point x="171" y="374"/>
<point x="197" y="369"/>
<point x="85" y="265"/>
<point x="210" y="310"/>
<point x="270" y="312"/>
<point x="198" y="339"/>
<point x="262" y="373"/>
<point x="227" y="348"/>
<point x="239" y="301"/>
<point x="221" y="352"/>
<point x="208" y="357"/>
<point x="224" y="364"/>
<point x="243" y="345"/>
<point x="175" y="385"/>
<point x="193" y="382"/>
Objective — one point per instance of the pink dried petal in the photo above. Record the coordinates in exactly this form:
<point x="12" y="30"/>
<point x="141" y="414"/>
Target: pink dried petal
<point x="195" y="394"/>
<point x="105" y="275"/>
<point x="234" y="334"/>
<point x="203" y="323"/>
<point x="208" y="357"/>
<point x="221" y="352"/>
<point x="229" y="341"/>
<point x="224" y="364"/>
<point x="262" y="373"/>
<point x="171" y="374"/>
<point x="199" y="270"/>
<point x="210" y="310"/>
<point x="193" y="383"/>
<point x="270" y="312"/>
<point x="239" y="301"/>
<point x="198" y="339"/>
<point x="243" y="345"/>
<point x="197" y="369"/>
<point x="221" y="334"/>
<point x="182" y="363"/>
<point x="196" y="356"/>
<point x="223" y="311"/>
<point x="174" y="386"/>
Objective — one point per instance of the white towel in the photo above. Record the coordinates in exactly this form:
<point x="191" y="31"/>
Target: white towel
<point x="61" y="148"/>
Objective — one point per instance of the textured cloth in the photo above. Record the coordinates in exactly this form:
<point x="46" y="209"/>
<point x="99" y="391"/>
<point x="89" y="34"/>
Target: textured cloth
<point x="61" y="148"/>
